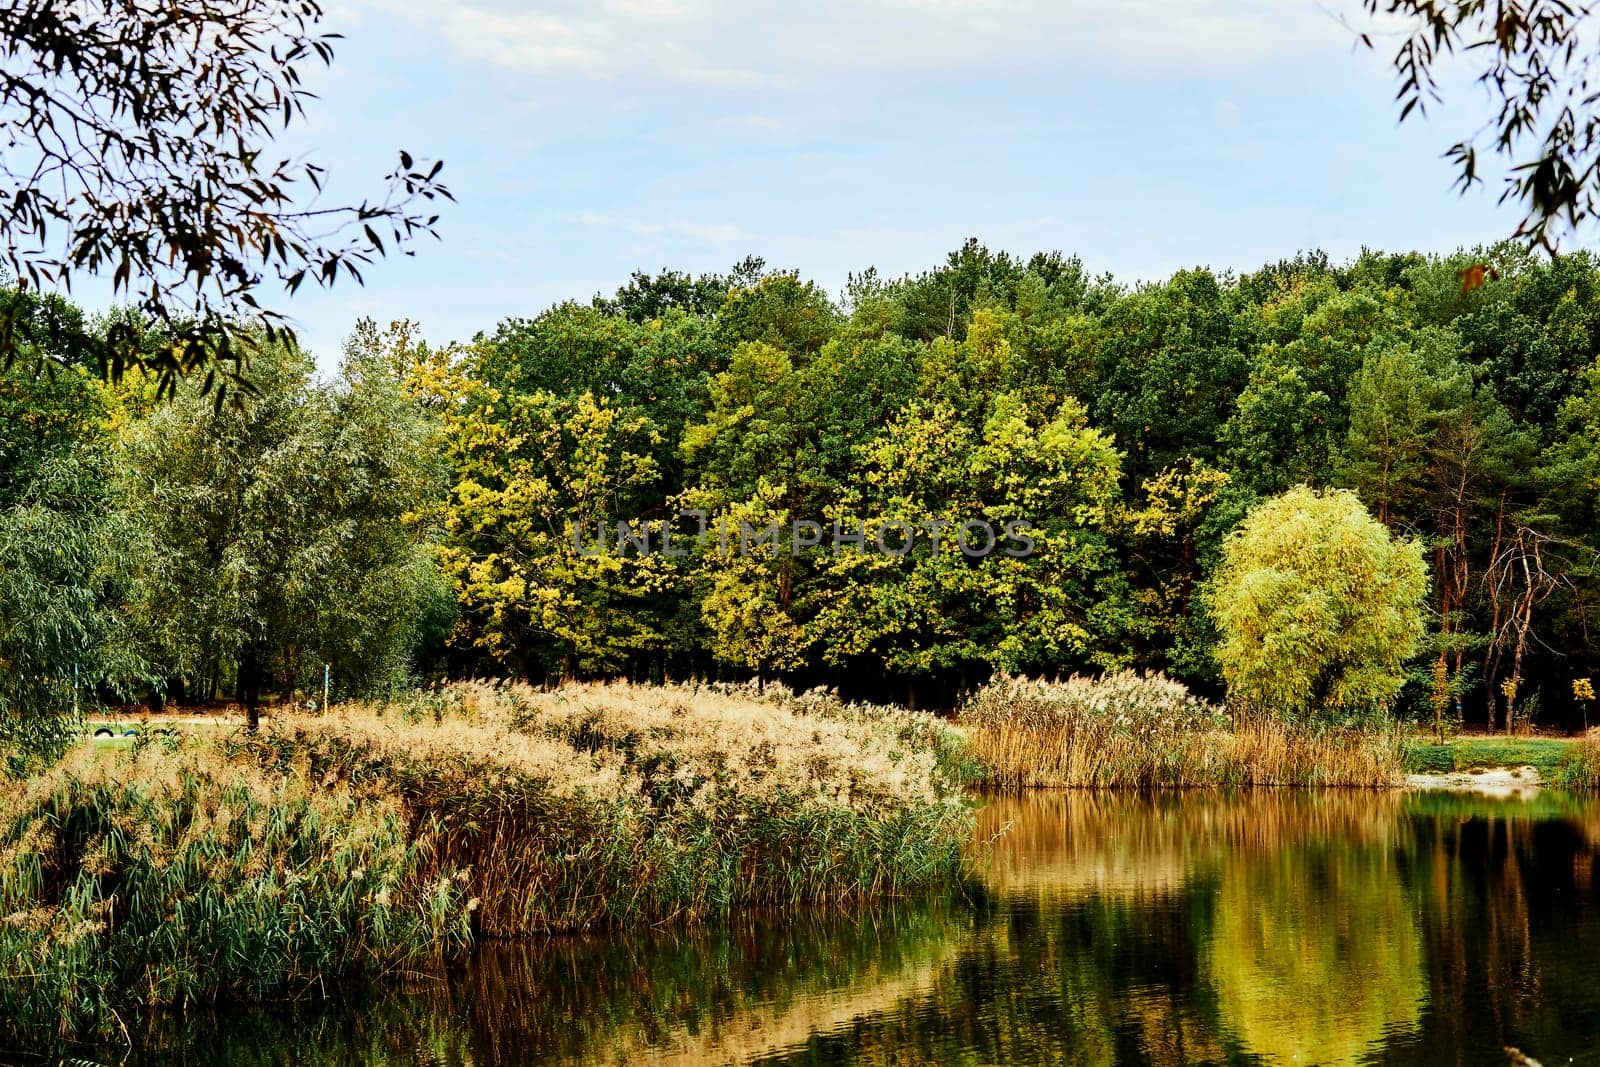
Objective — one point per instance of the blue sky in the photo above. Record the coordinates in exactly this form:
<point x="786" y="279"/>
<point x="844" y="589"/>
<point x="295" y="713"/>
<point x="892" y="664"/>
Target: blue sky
<point x="586" y="140"/>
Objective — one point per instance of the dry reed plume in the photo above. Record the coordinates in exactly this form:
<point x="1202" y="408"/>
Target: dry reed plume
<point x="260" y="866"/>
<point x="1145" y="732"/>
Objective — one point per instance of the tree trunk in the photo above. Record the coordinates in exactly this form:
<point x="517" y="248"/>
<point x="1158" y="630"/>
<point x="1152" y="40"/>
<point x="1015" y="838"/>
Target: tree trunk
<point x="1491" y="654"/>
<point x="250" y="670"/>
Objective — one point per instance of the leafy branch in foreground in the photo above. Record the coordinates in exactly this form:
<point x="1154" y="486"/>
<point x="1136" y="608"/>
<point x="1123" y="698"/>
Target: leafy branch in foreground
<point x="135" y="135"/>
<point x="1532" y="58"/>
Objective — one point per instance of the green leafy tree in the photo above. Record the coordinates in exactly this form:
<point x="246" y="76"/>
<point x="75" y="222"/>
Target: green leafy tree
<point x="1318" y="608"/>
<point x="658" y="368"/>
<point x="1292" y="413"/>
<point x="1055" y="602"/>
<point x="1400" y="396"/>
<point x="1171" y="534"/>
<point x="277" y="534"/>
<point x="538" y="484"/>
<point x="779" y="310"/>
<point x="745" y="578"/>
<point x="64" y="556"/>
<point x="1169" y="373"/>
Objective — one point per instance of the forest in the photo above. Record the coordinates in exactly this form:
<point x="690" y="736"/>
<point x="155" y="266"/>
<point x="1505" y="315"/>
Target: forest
<point x="411" y="517"/>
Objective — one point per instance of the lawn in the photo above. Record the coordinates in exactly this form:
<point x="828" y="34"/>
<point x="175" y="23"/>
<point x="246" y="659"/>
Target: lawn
<point x="1478" y="753"/>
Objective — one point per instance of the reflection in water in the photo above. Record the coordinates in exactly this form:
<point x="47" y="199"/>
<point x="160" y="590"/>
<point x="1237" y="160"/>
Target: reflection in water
<point x="1260" y="928"/>
<point x="1315" y="954"/>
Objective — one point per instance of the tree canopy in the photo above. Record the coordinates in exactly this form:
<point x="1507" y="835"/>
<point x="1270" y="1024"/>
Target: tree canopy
<point x="694" y="477"/>
<point x="1318" y="608"/>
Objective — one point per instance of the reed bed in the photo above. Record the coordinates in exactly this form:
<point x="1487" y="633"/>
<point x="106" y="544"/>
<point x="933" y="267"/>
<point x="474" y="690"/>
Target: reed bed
<point x="378" y="837"/>
<point x="182" y="878"/>
<point x="1145" y="731"/>
<point x="604" y="804"/>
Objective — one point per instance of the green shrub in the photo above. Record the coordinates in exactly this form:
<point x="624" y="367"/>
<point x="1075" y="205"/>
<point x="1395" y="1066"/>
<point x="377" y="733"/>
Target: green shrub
<point x="1579" y="768"/>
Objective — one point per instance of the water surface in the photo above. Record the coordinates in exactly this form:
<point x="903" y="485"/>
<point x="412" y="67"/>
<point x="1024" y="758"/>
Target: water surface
<point x="1325" y="928"/>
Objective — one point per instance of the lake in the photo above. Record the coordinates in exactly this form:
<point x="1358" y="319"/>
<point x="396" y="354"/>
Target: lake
<point x="1276" y="927"/>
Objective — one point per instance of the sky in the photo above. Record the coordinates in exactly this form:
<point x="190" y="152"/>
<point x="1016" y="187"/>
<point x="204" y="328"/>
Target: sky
<point x="586" y="140"/>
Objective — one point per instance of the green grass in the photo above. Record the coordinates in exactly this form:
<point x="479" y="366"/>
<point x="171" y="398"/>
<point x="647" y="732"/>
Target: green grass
<point x="1481" y="753"/>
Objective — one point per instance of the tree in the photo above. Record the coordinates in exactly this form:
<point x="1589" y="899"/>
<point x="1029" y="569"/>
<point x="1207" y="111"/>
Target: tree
<point x="538" y="485"/>
<point x="954" y="598"/>
<point x="136" y="135"/>
<point x="1536" y="60"/>
<point x="1318" y="608"/>
<point x="1399" y="397"/>
<point x="1169" y="373"/>
<point x="745" y="591"/>
<point x="1171" y="534"/>
<point x="648" y="296"/>
<point x="1292" y="413"/>
<point x="657" y="368"/>
<point x="276" y="533"/>
<point x="779" y="443"/>
<point x="64" y="559"/>
<point x="779" y="309"/>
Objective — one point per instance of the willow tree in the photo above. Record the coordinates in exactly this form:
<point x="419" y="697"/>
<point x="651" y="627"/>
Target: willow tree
<point x="63" y="556"/>
<point x="1318" y="607"/>
<point x="277" y="534"/>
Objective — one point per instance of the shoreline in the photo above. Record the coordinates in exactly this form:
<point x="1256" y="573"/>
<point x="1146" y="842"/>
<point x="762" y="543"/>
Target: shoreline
<point x="1499" y="782"/>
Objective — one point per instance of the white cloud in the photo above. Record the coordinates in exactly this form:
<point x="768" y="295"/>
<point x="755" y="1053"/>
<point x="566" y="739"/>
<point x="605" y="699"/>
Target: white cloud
<point x="525" y="39"/>
<point x="765" y="43"/>
<point x="763" y="123"/>
<point x="714" y="233"/>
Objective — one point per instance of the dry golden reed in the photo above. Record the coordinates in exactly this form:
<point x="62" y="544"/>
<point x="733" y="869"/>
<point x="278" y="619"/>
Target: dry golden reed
<point x="250" y="867"/>
<point x="606" y="803"/>
<point x="1146" y="731"/>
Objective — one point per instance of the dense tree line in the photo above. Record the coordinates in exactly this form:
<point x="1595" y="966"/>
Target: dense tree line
<point x="456" y="510"/>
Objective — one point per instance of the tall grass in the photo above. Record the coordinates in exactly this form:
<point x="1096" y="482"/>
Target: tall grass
<point x="159" y="878"/>
<point x="1145" y="731"/>
<point x="254" y="867"/>
<point x="615" y="803"/>
<point x="1579" y="769"/>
